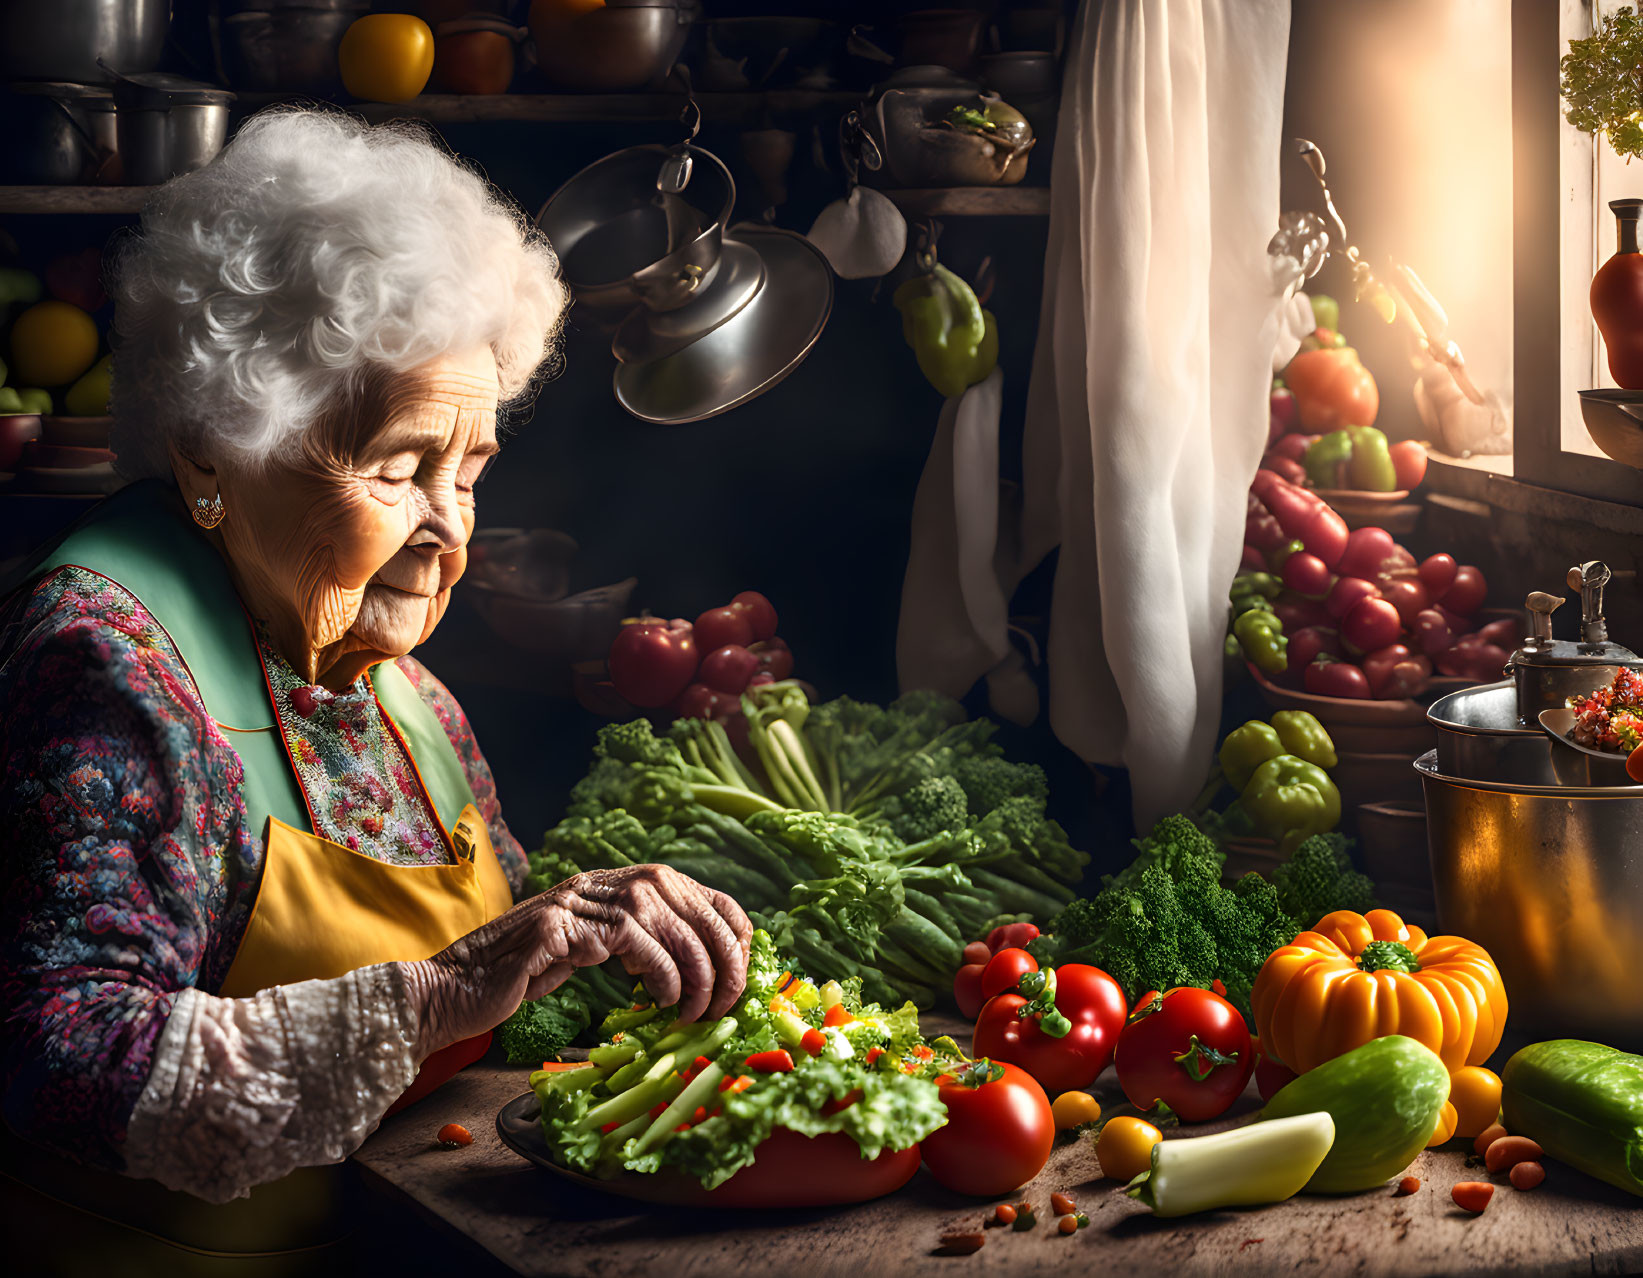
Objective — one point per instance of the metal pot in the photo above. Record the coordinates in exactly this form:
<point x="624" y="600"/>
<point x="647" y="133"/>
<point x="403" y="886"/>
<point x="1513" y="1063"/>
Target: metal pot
<point x="902" y="120"/>
<point x="287" y="48"/>
<point x="64" y="39"/>
<point x="1549" y="880"/>
<point x="623" y="241"/>
<point x="58" y="134"/>
<point x="168" y="125"/>
<point x="1480" y="736"/>
<point x="620" y="47"/>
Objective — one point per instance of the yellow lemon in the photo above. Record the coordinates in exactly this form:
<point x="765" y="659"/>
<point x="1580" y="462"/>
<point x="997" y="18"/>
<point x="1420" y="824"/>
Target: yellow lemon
<point x="52" y="343"/>
<point x="386" y="57"/>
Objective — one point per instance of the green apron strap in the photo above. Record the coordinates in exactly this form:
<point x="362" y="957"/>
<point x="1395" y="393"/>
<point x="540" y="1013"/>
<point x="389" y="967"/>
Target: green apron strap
<point x="435" y="756"/>
<point x="142" y="539"/>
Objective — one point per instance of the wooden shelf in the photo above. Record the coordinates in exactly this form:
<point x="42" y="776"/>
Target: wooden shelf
<point x="73" y="199"/>
<point x="586" y="108"/>
<point x="974" y="201"/>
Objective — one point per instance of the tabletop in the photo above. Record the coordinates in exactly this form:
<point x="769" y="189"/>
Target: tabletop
<point x="537" y="1224"/>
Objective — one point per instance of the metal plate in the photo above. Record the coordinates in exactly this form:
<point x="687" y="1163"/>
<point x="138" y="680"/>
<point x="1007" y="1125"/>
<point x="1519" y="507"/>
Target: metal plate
<point x="749" y="353"/>
<point x="652" y="335"/>
<point x="1576" y="764"/>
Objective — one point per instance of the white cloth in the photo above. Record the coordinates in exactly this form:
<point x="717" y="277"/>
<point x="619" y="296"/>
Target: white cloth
<point x="954" y="625"/>
<point x="245" y="1090"/>
<point x="1147" y="411"/>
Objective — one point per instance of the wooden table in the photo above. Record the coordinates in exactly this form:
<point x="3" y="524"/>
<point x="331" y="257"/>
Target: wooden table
<point x="535" y="1223"/>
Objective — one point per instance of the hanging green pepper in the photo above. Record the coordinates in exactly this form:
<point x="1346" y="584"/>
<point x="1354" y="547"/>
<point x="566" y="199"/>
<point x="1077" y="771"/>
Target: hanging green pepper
<point x="1305" y="738"/>
<point x="1246" y="749"/>
<point x="954" y="340"/>
<point x="1290" y="800"/>
<point x="1370" y="468"/>
<point x="1325" y="457"/>
<point x="1261" y="636"/>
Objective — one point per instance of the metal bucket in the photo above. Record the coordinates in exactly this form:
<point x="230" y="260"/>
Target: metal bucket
<point x="1480" y="736"/>
<point x="1549" y="880"/>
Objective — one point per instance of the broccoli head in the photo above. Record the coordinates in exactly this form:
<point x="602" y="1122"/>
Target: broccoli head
<point x="634" y="742"/>
<point x="933" y="806"/>
<point x="989" y="779"/>
<point x="1319" y="879"/>
<point x="1176" y="846"/>
<point x="539" y="1030"/>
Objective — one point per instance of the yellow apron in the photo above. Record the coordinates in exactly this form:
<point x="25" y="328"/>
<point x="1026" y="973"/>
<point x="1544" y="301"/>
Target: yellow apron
<point x="321" y="910"/>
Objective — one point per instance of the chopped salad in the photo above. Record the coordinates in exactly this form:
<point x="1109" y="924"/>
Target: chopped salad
<point x="701" y="1098"/>
<point x="1610" y="718"/>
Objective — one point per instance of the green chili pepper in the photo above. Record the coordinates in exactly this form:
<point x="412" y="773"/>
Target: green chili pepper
<point x="1275" y="558"/>
<point x="1370" y="467"/>
<point x="954" y="340"/>
<point x="1305" y="738"/>
<point x="1246" y="749"/>
<point x="1259" y="584"/>
<point x="1325" y="456"/>
<point x="1582" y="1103"/>
<point x="1290" y="800"/>
<point x="1261" y="637"/>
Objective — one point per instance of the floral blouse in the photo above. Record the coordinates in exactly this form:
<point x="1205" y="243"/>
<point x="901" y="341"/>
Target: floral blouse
<point x="129" y="864"/>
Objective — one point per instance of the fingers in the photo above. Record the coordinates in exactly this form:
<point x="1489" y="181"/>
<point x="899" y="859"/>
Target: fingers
<point x="736" y="918"/>
<point x="725" y="967"/>
<point x="547" y="981"/>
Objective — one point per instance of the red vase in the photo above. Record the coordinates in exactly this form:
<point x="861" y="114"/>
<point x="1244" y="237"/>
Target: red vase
<point x="1617" y="299"/>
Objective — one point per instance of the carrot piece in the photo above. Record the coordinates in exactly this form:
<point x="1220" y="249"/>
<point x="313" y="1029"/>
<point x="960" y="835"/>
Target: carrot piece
<point x="1004" y="1214"/>
<point x="1472" y="1195"/>
<point x="1408" y="1185"/>
<point x="837" y="1015"/>
<point x="1487" y="1137"/>
<point x="454" y="1134"/>
<point x="1527" y="1175"/>
<point x="1062" y="1205"/>
<point x="1507" y="1152"/>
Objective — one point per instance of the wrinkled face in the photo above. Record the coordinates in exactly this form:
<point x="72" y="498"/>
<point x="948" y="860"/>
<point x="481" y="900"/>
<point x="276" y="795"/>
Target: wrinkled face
<point x="354" y="549"/>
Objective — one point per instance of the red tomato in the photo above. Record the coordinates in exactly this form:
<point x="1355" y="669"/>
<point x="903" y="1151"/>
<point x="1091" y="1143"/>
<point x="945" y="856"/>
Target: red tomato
<point x="1503" y="632"/>
<point x="1306" y="575"/>
<point x="1011" y="936"/>
<point x="728" y="669"/>
<point x="1297" y="614"/>
<point x="699" y="701"/>
<point x="1294" y="447"/>
<point x="719" y="626"/>
<point x="1271" y="1076"/>
<point x="1293" y="471"/>
<point x="1346" y="592"/>
<point x="1325" y="535"/>
<point x="1372" y="623"/>
<point x="967" y="990"/>
<point x="760" y="613"/>
<point x="979" y="952"/>
<point x="1252" y="561"/>
<point x="1090" y="999"/>
<point x="1306" y="643"/>
<point x="1408" y="596"/>
<point x="775" y="659"/>
<point x="1468" y="591"/>
<point x="1004" y="969"/>
<point x="1432" y="632"/>
<point x="1408" y="462"/>
<point x="999" y="1131"/>
<point x="1437" y="574"/>
<point x="1188" y="1048"/>
<point x="1394" y="672"/>
<point x="651" y="663"/>
<point x="1336" y="679"/>
<point x="1366" y="549"/>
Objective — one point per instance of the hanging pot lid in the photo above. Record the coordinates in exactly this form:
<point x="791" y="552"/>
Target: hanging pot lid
<point x="748" y="353"/>
<point x="649" y="335"/>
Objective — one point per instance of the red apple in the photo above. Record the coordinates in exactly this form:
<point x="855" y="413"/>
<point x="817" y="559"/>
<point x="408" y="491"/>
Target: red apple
<point x="652" y="662"/>
<point x="761" y="614"/>
<point x="775" y="658"/>
<point x="719" y="626"/>
<point x="728" y="669"/>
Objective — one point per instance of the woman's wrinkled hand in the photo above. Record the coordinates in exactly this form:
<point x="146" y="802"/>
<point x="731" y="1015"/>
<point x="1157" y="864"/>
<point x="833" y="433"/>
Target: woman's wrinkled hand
<point x="688" y="943"/>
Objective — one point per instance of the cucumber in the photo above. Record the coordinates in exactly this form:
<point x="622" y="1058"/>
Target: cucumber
<point x="1385" y="1098"/>
<point x="1582" y="1103"/>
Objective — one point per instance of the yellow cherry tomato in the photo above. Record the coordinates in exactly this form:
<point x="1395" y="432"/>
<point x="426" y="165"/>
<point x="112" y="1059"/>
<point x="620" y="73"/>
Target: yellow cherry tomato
<point x="52" y="343"/>
<point x="386" y="57"/>
<point x="1444" y="1132"/>
<point x="1124" y="1147"/>
<point x="1475" y="1094"/>
<point x="1074" y="1109"/>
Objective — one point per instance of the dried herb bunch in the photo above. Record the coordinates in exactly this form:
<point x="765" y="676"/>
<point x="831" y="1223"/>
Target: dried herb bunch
<point x="1602" y="82"/>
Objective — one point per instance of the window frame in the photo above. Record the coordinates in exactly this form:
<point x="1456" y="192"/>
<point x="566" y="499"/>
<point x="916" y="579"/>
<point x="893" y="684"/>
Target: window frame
<point x="1547" y="276"/>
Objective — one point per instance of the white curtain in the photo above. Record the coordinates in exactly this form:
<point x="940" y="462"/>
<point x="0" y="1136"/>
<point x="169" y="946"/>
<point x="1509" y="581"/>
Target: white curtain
<point x="1147" y="414"/>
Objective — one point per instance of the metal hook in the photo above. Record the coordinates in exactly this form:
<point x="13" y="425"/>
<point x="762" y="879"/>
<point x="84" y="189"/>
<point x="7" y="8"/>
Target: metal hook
<point x="927" y="233"/>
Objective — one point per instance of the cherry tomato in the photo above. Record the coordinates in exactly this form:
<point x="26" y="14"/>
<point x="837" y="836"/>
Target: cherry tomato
<point x="719" y="626"/>
<point x="699" y="701"/>
<point x="729" y="668"/>
<point x="1074" y="1109"/>
<point x="775" y="659"/>
<point x="1409" y="597"/>
<point x="651" y="662"/>
<point x="1306" y="643"/>
<point x="1124" y="1148"/>
<point x="1306" y="575"/>
<point x="1467" y="592"/>
<point x="1366" y="548"/>
<point x="1337" y="679"/>
<point x="1346" y="592"/>
<point x="978" y="952"/>
<point x="1372" y="623"/>
<point x="1432" y="632"/>
<point x="1089" y="999"/>
<point x="967" y="990"/>
<point x="1437" y="574"/>
<point x="999" y="1131"/>
<point x="760" y="613"/>
<point x="1004" y="969"/>
<point x="1475" y="1094"/>
<point x="1188" y="1048"/>
<point x="1408" y="463"/>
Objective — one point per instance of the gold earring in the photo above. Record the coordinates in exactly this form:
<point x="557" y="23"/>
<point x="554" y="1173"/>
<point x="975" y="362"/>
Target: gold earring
<point x="208" y="514"/>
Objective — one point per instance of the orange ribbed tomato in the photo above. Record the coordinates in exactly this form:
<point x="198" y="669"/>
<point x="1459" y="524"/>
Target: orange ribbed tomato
<point x="1356" y="977"/>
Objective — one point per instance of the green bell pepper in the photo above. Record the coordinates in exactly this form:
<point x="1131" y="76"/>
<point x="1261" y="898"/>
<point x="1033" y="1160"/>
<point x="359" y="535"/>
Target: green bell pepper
<point x="1261" y="636"/>
<point x="1370" y="468"/>
<point x="1246" y="749"/>
<point x="1290" y="800"/>
<point x="1324" y="458"/>
<point x="954" y="340"/>
<point x="1305" y="738"/>
<point x="1261" y="585"/>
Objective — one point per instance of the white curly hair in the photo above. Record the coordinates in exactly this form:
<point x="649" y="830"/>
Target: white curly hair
<point x="313" y="251"/>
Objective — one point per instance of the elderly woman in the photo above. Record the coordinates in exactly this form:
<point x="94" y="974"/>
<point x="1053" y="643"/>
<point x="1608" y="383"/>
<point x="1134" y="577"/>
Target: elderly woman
<point x="256" y="871"/>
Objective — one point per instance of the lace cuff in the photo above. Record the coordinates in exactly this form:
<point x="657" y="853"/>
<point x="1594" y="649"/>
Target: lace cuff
<point x="245" y="1090"/>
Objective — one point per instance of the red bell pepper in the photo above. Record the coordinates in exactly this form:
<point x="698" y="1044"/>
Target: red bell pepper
<point x="1059" y="1025"/>
<point x="774" y="1062"/>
